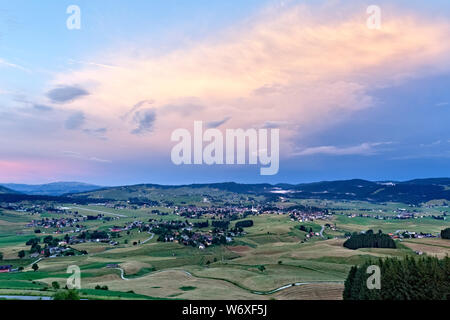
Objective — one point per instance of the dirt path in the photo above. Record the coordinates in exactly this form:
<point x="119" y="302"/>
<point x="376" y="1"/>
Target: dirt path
<point x="98" y="211"/>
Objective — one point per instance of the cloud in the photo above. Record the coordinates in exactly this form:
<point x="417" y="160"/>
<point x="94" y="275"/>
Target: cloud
<point x="302" y="67"/>
<point x="145" y="120"/>
<point x="42" y="107"/>
<point x="440" y="155"/>
<point x="136" y="107"/>
<point x="442" y="104"/>
<point x="99" y="133"/>
<point x="216" y="124"/>
<point x="268" y="89"/>
<point x="77" y="155"/>
<point x="75" y="121"/>
<point x="184" y="109"/>
<point x="274" y="124"/>
<point x="13" y="65"/>
<point x="91" y="63"/>
<point x="433" y="144"/>
<point x="366" y="148"/>
<point x="64" y="94"/>
<point x="5" y="92"/>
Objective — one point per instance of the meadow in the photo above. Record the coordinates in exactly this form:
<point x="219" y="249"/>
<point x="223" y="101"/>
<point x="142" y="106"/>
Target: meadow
<point x="262" y="264"/>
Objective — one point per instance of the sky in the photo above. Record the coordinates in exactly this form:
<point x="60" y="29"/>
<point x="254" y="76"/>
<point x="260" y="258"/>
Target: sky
<point x="99" y="104"/>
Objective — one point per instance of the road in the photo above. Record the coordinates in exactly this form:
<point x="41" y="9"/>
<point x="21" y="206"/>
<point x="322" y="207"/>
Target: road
<point x="31" y="264"/>
<point x="147" y="240"/>
<point x="321" y="232"/>
<point x="122" y="272"/>
<point x="98" y="211"/>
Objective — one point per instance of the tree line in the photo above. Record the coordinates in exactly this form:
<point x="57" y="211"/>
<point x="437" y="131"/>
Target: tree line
<point x="424" y="278"/>
<point x="369" y="239"/>
<point x="445" y="234"/>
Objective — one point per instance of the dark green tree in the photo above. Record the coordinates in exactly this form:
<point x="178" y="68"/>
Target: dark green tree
<point x="445" y="234"/>
<point x="66" y="295"/>
<point x="35" y="267"/>
<point x="21" y="254"/>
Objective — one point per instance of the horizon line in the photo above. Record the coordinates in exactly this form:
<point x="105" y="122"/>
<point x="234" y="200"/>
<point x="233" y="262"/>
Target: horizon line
<point x="216" y="182"/>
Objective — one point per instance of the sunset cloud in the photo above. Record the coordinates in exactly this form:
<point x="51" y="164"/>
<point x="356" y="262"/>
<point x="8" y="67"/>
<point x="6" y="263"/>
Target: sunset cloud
<point x="64" y="94"/>
<point x="286" y="66"/>
<point x="366" y="148"/>
<point x="302" y="68"/>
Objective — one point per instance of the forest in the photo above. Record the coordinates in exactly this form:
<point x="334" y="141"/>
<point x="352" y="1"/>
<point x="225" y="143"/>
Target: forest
<point x="369" y="239"/>
<point x="424" y="278"/>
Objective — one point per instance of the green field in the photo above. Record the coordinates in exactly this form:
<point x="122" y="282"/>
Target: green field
<point x="273" y="253"/>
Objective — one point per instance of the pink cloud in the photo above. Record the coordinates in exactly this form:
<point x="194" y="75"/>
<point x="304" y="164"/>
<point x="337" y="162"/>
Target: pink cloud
<point x="33" y="170"/>
<point x="285" y="66"/>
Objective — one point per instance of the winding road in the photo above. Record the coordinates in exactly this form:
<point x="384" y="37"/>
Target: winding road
<point x="292" y="285"/>
<point x="321" y="232"/>
<point x="147" y="240"/>
<point x="122" y="275"/>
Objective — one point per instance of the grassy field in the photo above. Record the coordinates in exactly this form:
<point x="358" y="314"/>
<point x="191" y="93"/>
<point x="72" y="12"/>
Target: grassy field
<point x="425" y="224"/>
<point x="433" y="247"/>
<point x="273" y="253"/>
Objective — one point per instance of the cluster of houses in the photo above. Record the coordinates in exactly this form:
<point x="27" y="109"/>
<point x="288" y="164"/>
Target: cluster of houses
<point x="37" y="208"/>
<point x="404" y="215"/>
<point x="301" y="216"/>
<point x="130" y="226"/>
<point x="58" y="223"/>
<point x="198" y="239"/>
<point x="65" y="224"/>
<point x="6" y="268"/>
<point x="194" y="212"/>
<point x="54" y="252"/>
<point x="28" y="208"/>
<point x="9" y="268"/>
<point x="183" y="232"/>
<point x="240" y="212"/>
<point x="404" y="234"/>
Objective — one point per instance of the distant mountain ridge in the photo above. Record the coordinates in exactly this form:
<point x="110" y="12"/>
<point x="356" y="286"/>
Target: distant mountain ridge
<point x="50" y="189"/>
<point x="4" y="190"/>
<point x="412" y="191"/>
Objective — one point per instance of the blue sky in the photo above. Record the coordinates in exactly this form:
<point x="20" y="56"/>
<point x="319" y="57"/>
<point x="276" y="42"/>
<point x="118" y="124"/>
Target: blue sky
<point x="349" y="103"/>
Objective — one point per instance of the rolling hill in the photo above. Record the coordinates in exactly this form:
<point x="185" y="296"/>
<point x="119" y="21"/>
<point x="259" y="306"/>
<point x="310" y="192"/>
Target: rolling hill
<point x="4" y="190"/>
<point x="51" y="189"/>
<point x="413" y="192"/>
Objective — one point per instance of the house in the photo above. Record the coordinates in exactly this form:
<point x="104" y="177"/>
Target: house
<point x="6" y="268"/>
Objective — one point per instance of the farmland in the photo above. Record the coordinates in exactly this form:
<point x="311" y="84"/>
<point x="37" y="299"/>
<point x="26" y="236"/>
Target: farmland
<point x="261" y="263"/>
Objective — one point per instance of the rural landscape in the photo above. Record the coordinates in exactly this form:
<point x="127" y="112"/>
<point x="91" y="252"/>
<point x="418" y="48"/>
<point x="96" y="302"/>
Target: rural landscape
<point x="213" y="241"/>
<point x="224" y="159"/>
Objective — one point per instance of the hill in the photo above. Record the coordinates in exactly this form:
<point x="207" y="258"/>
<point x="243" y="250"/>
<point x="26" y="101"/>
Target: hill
<point x="411" y="192"/>
<point x="4" y="190"/>
<point x="51" y="189"/>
